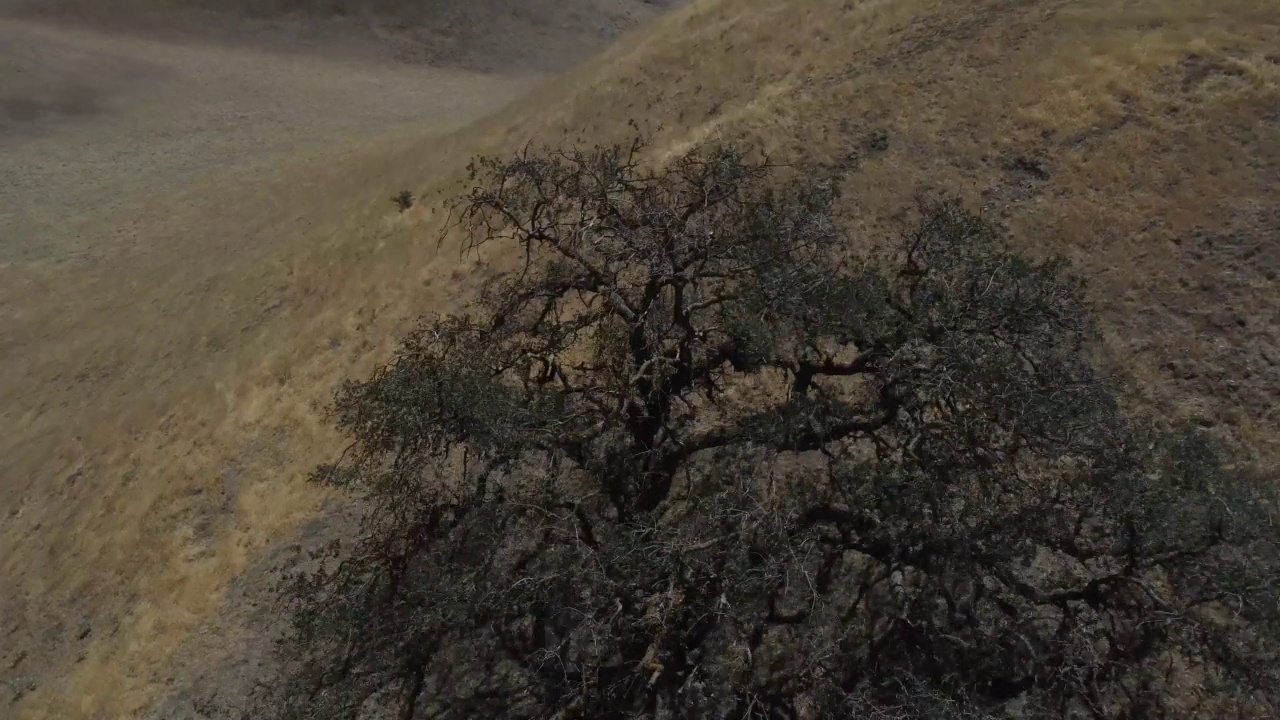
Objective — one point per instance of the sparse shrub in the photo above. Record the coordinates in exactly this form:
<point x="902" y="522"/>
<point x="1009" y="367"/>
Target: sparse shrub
<point x="403" y="200"/>
<point x="690" y="461"/>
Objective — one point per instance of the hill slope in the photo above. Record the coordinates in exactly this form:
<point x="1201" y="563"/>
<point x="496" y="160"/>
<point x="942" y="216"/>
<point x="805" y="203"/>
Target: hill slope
<point x="538" y="35"/>
<point x="1141" y="139"/>
<point x="169" y="206"/>
<point x="155" y="199"/>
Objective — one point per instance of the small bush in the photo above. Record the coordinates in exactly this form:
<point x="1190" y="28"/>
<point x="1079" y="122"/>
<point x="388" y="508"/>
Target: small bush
<point x="403" y="200"/>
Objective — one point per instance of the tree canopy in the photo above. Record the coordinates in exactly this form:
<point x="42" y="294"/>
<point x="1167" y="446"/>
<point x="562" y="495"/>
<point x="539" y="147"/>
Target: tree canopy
<point x="694" y="458"/>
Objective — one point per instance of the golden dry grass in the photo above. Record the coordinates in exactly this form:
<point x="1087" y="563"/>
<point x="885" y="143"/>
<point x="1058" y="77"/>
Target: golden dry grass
<point x="1142" y="139"/>
<point x="154" y="296"/>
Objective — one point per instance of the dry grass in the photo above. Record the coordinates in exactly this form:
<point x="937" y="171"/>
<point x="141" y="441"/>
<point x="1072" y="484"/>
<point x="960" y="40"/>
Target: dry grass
<point x="157" y="300"/>
<point x="490" y="35"/>
<point x="1140" y="138"/>
<point x="156" y="521"/>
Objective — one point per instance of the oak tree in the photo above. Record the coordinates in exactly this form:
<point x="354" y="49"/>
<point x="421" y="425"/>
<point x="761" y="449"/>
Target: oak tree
<point x="694" y="457"/>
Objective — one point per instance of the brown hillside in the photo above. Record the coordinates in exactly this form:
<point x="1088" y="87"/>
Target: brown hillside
<point x="165" y="195"/>
<point x="1141" y="139"/>
<point x="534" y="35"/>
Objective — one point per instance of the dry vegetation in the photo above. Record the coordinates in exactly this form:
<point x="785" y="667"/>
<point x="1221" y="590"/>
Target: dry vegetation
<point x="1141" y="139"/>
<point x="542" y="35"/>
<point x="686" y="460"/>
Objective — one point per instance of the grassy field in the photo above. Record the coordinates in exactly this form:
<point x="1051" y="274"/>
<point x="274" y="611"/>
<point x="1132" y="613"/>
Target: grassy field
<point x="1141" y="139"/>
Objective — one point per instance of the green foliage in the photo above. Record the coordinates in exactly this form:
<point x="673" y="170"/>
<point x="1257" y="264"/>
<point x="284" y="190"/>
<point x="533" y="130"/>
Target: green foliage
<point x="691" y="461"/>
